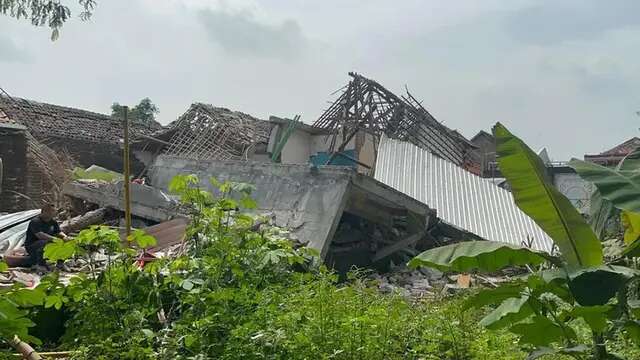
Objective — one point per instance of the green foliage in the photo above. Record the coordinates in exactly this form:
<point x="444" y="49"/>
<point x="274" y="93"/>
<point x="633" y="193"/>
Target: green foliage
<point x="482" y="255"/>
<point x="246" y="292"/>
<point x="97" y="174"/>
<point x="45" y="12"/>
<point x="547" y="309"/>
<point x="143" y="113"/>
<point x="140" y="238"/>
<point x="536" y="196"/>
<point x="601" y="210"/>
<point x="620" y="187"/>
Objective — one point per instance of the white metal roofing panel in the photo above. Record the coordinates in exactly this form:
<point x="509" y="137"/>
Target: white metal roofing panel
<point x="13" y="229"/>
<point x="459" y="197"/>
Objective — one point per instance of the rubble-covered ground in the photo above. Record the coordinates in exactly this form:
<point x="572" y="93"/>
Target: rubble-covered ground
<point x="234" y="290"/>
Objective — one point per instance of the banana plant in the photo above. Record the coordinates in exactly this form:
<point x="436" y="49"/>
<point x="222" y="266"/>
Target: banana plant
<point x="616" y="188"/>
<point x="574" y="285"/>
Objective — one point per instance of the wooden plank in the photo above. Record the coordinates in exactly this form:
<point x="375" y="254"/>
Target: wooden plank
<point x="393" y="248"/>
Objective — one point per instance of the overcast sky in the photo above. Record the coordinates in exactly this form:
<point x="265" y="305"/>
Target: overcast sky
<point x="560" y="74"/>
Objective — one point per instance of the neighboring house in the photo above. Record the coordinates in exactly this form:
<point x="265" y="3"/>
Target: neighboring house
<point x="485" y="154"/>
<point x="89" y="137"/>
<point x="613" y="156"/>
<point x="571" y="185"/>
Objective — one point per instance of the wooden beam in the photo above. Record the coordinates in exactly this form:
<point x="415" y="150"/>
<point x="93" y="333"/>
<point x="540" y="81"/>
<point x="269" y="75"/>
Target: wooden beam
<point x="393" y="248"/>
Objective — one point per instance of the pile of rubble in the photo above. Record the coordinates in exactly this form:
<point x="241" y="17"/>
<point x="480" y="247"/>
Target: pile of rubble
<point x="430" y="283"/>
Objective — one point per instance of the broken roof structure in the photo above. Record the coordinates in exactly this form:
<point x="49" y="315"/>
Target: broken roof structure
<point x="461" y="198"/>
<point x="365" y="104"/>
<point x="208" y="132"/>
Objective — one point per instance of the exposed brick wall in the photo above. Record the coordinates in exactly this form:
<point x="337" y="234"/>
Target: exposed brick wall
<point x="13" y="151"/>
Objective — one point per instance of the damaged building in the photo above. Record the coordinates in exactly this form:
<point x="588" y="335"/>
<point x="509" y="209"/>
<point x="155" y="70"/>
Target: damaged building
<point x="322" y="180"/>
<point x="88" y="137"/>
<point x="40" y="143"/>
<point x="336" y="184"/>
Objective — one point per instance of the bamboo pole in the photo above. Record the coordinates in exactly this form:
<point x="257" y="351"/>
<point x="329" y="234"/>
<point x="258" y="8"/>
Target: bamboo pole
<point x="127" y="180"/>
<point x="25" y="350"/>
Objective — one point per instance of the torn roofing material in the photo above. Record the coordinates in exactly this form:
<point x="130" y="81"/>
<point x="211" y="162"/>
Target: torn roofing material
<point x="13" y="228"/>
<point x="460" y="197"/>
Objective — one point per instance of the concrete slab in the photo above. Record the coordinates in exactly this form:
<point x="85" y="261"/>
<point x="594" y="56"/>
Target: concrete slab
<point x="310" y="201"/>
<point x="146" y="202"/>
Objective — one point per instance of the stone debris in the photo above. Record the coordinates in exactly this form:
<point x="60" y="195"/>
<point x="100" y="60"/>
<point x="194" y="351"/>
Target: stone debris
<point x="425" y="282"/>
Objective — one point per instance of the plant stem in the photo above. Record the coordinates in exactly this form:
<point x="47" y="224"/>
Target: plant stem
<point x="599" y="347"/>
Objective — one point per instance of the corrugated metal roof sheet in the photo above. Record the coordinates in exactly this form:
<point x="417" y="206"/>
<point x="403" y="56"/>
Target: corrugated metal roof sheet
<point x="13" y="228"/>
<point x="459" y="197"/>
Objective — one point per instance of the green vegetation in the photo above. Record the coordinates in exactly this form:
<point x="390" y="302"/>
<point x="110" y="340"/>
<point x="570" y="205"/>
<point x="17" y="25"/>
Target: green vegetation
<point x="239" y="292"/>
<point x="143" y="113"/>
<point x="243" y="291"/>
<point x="45" y="12"/>
<point x="549" y="308"/>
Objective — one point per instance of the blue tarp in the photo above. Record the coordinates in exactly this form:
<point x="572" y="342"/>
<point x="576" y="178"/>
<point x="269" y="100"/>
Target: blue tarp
<point x="322" y="157"/>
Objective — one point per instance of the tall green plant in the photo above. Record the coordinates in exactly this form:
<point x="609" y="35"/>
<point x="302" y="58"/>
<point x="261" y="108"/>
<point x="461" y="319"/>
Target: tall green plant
<point x="601" y="209"/>
<point x="544" y="307"/>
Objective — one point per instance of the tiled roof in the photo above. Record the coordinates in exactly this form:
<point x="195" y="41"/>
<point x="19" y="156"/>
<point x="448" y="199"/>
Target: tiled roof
<point x="54" y="121"/>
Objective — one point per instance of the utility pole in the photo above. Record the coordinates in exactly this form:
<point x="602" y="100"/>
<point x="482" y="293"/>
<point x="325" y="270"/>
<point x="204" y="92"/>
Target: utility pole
<point x="127" y="180"/>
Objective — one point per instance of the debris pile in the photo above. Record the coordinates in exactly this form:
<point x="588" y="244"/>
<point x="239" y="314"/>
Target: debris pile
<point x="427" y="282"/>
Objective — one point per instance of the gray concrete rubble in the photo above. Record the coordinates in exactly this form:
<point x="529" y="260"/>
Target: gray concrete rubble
<point x="350" y="218"/>
<point x="430" y="283"/>
<point x="146" y="202"/>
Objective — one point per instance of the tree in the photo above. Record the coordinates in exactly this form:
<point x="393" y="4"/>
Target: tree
<point x="144" y="113"/>
<point x="52" y="13"/>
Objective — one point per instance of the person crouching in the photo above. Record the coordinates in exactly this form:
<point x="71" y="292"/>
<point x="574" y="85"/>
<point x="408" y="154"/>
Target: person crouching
<point x="42" y="230"/>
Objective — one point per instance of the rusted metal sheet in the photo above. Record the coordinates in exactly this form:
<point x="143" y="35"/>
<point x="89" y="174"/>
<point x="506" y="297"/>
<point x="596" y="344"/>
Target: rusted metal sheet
<point x="168" y="233"/>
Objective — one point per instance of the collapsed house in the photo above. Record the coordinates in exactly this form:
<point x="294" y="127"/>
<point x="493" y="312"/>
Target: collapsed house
<point x="206" y="132"/>
<point x="338" y="185"/>
<point x="88" y="137"/>
<point x="285" y="159"/>
<point x="40" y="143"/>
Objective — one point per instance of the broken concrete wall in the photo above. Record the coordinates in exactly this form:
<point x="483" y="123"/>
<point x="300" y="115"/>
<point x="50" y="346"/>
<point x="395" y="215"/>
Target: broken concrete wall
<point x="146" y="202"/>
<point x="13" y="152"/>
<point x="297" y="149"/>
<point x="304" y="199"/>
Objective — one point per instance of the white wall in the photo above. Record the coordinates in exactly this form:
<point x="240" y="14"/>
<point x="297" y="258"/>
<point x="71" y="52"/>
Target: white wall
<point x="575" y="189"/>
<point x="297" y="149"/>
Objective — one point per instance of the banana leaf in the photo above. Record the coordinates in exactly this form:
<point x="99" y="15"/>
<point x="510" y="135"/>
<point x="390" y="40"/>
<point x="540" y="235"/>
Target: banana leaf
<point x="592" y="286"/>
<point x="601" y="210"/>
<point x="621" y="188"/>
<point x="479" y="255"/>
<point x="539" y="199"/>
